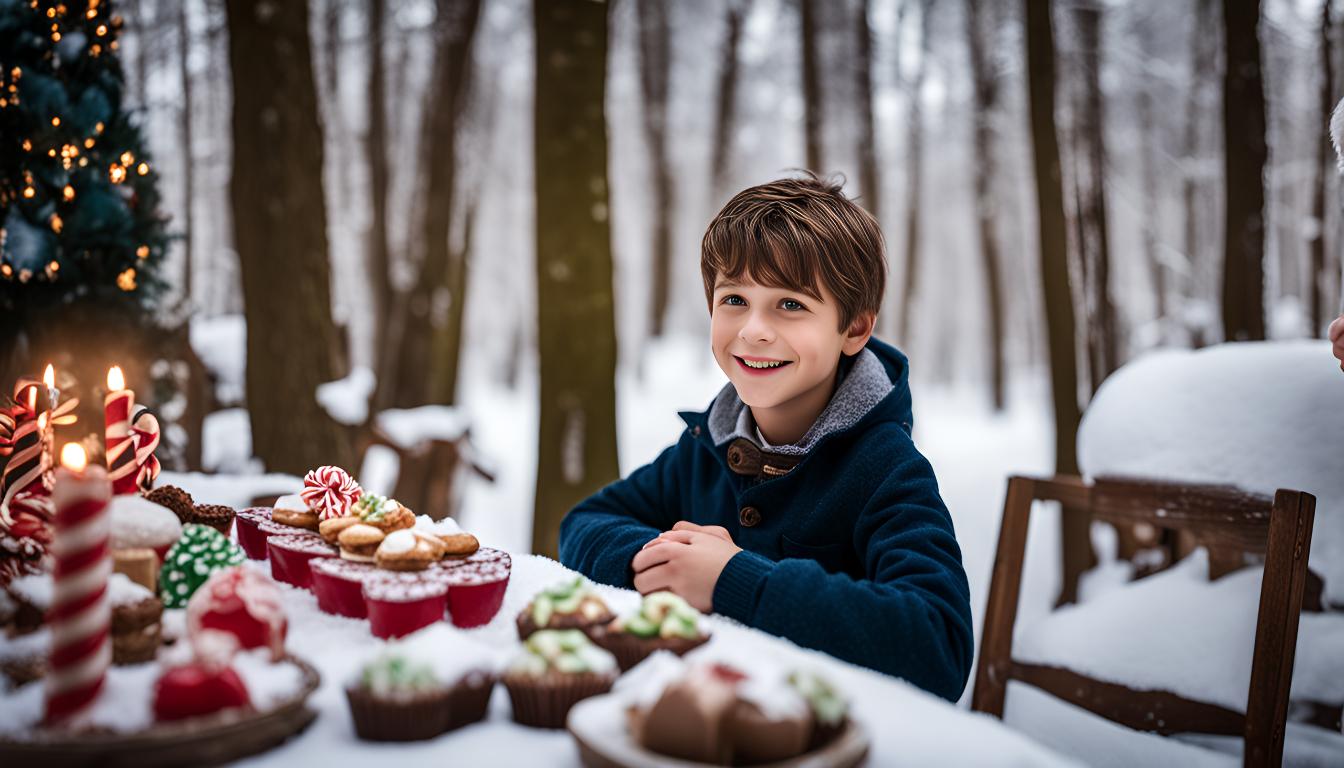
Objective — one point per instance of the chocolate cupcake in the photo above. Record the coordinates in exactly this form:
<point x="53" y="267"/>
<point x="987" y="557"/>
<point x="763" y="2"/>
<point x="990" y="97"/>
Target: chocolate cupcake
<point x="556" y="669"/>
<point x="176" y="499"/>
<point x="136" y="629"/>
<point x="664" y="622"/>
<point x="570" y="605"/>
<point x="399" y="697"/>
<point x="216" y="516"/>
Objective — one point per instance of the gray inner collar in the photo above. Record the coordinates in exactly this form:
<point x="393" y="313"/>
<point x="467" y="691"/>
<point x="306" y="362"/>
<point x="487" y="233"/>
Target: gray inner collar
<point x="862" y="388"/>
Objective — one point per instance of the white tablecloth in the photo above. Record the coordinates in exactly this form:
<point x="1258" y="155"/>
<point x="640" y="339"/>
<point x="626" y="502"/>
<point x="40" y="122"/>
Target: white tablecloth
<point x="906" y="726"/>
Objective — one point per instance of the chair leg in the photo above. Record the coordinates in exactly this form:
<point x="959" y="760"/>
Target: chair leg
<point x="991" y="677"/>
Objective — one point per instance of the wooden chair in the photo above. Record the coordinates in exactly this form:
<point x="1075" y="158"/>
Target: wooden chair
<point x="1278" y="528"/>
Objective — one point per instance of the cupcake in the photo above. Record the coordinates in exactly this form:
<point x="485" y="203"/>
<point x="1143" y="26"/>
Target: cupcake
<point x="399" y="603"/>
<point x="476" y="585"/>
<point x="290" y="556"/>
<point x="569" y="605"/>
<point x="293" y="511"/>
<point x="175" y="499"/>
<point x="255" y="526"/>
<point x="338" y="585"/>
<point x="136" y="629"/>
<point x="664" y="622"/>
<point x="418" y="691"/>
<point x="138" y="523"/>
<point x="217" y="516"/>
<point x="556" y="669"/>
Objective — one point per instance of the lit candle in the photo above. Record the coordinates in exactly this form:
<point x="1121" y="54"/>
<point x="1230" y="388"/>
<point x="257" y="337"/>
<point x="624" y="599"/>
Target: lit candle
<point x="80" y="615"/>
<point x="120" y="448"/>
<point x="53" y="394"/>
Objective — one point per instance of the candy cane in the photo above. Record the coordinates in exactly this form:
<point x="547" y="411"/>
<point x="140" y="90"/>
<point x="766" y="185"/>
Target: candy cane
<point x="80" y="615"/>
<point x="145" y="433"/>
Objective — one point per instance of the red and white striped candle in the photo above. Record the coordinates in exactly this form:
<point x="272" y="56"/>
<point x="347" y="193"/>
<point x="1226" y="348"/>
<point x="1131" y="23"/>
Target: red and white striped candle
<point x="80" y="616"/>
<point x="23" y="471"/>
<point x="145" y="428"/>
<point x="121" y="466"/>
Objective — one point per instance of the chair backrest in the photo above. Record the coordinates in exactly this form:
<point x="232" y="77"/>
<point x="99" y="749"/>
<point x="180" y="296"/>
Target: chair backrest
<point x="1278" y="528"/>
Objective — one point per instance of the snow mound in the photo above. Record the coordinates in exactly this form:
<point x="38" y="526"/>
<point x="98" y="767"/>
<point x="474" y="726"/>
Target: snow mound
<point x="221" y="343"/>
<point x="1259" y="415"/>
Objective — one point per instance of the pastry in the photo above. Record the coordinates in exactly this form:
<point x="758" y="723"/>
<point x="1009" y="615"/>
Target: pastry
<point x="383" y="513"/>
<point x="290" y="556"/>
<point x="243" y="603"/>
<point x="421" y="690"/>
<point x="217" y="516"/>
<point x="200" y="552"/>
<point x="138" y="523"/>
<point x="360" y="542"/>
<point x="664" y="622"/>
<point x="399" y="603"/>
<point x="476" y="585"/>
<point x="293" y="511"/>
<point x="556" y="669"/>
<point x="136" y="628"/>
<point x="569" y="605"/>
<point x="407" y="550"/>
<point x="330" y="530"/>
<point x="175" y="499"/>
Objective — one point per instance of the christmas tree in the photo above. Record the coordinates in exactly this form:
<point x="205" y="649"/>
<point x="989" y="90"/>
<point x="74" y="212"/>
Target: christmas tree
<point x="80" y="230"/>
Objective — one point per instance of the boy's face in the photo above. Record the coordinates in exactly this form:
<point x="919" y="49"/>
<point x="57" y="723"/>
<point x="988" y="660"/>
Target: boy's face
<point x="776" y="345"/>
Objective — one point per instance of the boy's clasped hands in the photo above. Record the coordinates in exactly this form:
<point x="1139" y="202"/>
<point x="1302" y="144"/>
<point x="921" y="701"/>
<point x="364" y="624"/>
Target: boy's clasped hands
<point x="687" y="561"/>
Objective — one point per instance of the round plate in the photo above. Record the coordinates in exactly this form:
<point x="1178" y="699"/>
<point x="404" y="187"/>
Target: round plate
<point x="599" y="729"/>
<point x="208" y="740"/>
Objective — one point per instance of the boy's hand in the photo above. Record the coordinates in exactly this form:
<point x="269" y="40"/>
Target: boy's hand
<point x="686" y="525"/>
<point x="685" y="562"/>
<point x="1336" y="333"/>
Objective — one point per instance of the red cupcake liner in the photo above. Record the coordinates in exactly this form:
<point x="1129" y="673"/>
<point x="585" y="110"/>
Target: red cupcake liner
<point x="401" y="603"/>
<point x="289" y="557"/>
<point x="339" y="586"/>
<point x="254" y="527"/>
<point x="475" y="587"/>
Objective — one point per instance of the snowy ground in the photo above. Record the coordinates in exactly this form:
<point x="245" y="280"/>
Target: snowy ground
<point x="973" y="452"/>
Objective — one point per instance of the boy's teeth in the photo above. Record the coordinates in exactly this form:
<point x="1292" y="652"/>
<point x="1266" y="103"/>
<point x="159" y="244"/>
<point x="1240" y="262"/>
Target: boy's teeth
<point x="762" y="364"/>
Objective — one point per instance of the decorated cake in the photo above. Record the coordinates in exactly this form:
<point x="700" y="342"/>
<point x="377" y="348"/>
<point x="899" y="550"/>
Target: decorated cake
<point x="713" y="712"/>
<point x="571" y="604"/>
<point x="664" y="622"/>
<point x="556" y="669"/>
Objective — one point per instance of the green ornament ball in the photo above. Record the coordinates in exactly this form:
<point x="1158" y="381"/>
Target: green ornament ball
<point x="201" y="551"/>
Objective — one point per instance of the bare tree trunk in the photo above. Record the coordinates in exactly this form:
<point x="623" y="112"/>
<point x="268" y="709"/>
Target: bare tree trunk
<point x="280" y="231"/>
<point x="914" y="180"/>
<point x="424" y="366"/>
<point x="725" y="121"/>
<point x="1077" y="547"/>
<point x="812" y="106"/>
<point x="577" y="443"/>
<point x="985" y="169"/>
<point x="331" y="83"/>
<point x="379" y="265"/>
<point x="188" y="162"/>
<point x="1090" y="169"/>
<point x="1204" y="48"/>
<point x="141" y="21"/>
<point x="654" y="77"/>
<point x="1245" y="154"/>
<point x="863" y="77"/>
<point x="1151" y="214"/>
<point x="1322" y="280"/>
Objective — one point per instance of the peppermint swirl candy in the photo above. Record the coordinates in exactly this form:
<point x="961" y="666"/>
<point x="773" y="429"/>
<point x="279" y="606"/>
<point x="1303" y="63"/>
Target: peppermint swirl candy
<point x="330" y="491"/>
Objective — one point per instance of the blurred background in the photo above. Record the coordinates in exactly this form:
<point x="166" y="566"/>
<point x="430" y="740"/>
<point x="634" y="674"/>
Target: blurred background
<point x="454" y="244"/>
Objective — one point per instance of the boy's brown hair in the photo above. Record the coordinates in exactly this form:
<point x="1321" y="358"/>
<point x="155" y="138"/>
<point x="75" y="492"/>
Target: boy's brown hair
<point x="796" y="234"/>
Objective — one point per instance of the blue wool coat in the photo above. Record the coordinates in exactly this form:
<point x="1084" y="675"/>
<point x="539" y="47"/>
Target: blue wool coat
<point x="851" y="552"/>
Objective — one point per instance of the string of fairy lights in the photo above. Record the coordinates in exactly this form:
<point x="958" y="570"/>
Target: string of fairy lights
<point x="70" y="152"/>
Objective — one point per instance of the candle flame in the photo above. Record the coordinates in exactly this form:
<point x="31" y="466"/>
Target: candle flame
<point x="49" y="376"/>
<point x="115" y="381"/>
<point x="73" y="457"/>
<point x="42" y="422"/>
<point x="32" y="398"/>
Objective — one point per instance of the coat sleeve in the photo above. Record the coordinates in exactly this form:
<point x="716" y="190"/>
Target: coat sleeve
<point x="602" y="534"/>
<point x="909" y="617"/>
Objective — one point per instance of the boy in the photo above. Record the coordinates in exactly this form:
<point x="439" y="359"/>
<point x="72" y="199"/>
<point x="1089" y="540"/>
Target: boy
<point x="797" y="504"/>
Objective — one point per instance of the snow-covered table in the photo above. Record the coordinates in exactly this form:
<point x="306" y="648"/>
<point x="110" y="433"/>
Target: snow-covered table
<point x="905" y="725"/>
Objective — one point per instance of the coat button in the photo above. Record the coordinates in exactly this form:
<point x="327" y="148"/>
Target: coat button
<point x="749" y="516"/>
<point x="695" y="431"/>
<point x="734" y="457"/>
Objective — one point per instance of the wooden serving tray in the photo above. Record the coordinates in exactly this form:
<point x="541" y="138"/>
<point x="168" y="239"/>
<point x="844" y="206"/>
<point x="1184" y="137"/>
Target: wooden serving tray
<point x="209" y="740"/>
<point x="598" y="725"/>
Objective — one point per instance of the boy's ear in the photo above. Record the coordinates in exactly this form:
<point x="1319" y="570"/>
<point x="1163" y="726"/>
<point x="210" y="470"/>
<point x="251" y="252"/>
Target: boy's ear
<point x="858" y="333"/>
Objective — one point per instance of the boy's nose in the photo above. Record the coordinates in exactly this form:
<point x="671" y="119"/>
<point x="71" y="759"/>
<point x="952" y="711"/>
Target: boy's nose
<point x="756" y="330"/>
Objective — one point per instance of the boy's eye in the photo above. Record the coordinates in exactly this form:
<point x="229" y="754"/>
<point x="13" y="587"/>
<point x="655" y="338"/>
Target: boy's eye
<point x="792" y="305"/>
<point x="734" y="300"/>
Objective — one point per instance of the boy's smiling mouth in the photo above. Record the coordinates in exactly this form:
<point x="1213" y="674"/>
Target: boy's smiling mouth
<point x="759" y="366"/>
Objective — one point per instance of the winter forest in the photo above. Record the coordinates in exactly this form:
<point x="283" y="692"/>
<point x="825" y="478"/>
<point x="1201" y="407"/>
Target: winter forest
<point x="454" y="247"/>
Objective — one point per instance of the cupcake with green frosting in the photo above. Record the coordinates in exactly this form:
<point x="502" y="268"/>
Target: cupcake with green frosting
<point x="830" y="709"/>
<point x="569" y="605"/>
<point x="556" y="669"/>
<point x="664" y="622"/>
<point x="422" y="688"/>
